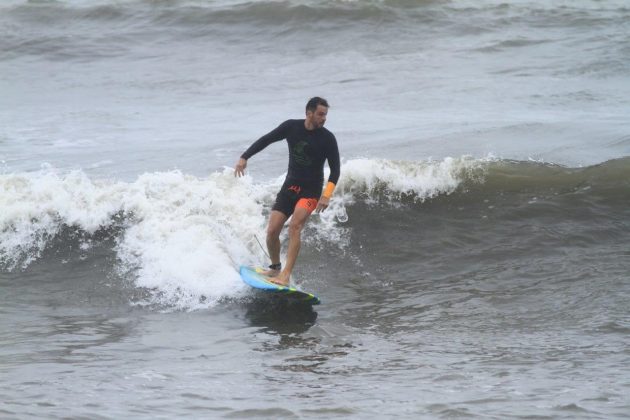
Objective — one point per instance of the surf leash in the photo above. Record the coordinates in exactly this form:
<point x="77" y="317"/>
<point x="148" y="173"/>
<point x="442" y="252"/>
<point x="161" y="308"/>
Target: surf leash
<point x="261" y="247"/>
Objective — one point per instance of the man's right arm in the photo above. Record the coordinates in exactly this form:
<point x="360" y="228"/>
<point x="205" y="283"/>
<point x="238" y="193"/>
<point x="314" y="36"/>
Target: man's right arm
<point x="277" y="134"/>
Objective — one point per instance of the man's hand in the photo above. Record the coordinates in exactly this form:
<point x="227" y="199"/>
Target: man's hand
<point x="322" y="204"/>
<point x="239" y="169"/>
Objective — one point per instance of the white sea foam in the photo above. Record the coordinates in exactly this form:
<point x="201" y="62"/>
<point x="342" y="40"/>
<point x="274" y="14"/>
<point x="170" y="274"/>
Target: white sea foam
<point x="185" y="236"/>
<point x="191" y="234"/>
<point x="422" y="180"/>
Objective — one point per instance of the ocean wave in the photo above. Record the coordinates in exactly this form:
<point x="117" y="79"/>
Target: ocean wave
<point x="180" y="237"/>
<point x="320" y="13"/>
<point x="168" y="218"/>
<point x="419" y="180"/>
<point x="610" y="179"/>
<point x="102" y="29"/>
<point x="191" y="14"/>
<point x="62" y="31"/>
<point x="163" y="219"/>
<point x="380" y="180"/>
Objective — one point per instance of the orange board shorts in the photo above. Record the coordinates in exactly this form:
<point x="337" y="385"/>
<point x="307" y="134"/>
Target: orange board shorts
<point x="309" y="204"/>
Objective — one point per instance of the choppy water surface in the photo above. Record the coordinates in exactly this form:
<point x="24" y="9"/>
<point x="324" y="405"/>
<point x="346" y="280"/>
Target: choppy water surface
<point x="474" y="261"/>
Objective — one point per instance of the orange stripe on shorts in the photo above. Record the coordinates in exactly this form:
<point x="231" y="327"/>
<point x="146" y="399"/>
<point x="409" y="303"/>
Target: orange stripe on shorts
<point x="307" y="203"/>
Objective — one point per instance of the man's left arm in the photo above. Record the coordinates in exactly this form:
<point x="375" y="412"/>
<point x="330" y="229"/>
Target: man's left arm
<point x="335" y="170"/>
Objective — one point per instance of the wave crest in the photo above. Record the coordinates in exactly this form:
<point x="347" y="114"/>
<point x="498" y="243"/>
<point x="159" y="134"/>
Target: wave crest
<point x="401" y="179"/>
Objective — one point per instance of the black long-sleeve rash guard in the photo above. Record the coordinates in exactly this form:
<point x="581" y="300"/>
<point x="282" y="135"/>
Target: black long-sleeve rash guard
<point x="308" y="150"/>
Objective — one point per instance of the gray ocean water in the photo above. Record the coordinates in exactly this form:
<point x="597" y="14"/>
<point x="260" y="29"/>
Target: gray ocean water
<point x="474" y="262"/>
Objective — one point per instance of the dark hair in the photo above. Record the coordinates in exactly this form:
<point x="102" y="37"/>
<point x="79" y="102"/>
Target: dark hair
<point x="314" y="102"/>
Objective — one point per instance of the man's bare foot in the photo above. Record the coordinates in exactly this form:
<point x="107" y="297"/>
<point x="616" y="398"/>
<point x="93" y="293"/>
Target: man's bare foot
<point x="270" y="273"/>
<point x="281" y="279"/>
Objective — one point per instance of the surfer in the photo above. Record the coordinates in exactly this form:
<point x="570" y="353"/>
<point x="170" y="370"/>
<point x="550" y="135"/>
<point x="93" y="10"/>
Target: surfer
<point x="310" y="145"/>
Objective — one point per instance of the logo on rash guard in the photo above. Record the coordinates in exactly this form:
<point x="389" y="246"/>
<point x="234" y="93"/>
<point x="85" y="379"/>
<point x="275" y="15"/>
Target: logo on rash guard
<point x="300" y="154"/>
<point x="295" y="188"/>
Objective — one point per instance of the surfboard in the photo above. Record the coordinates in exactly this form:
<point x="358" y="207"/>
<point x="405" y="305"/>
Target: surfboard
<point x="253" y="277"/>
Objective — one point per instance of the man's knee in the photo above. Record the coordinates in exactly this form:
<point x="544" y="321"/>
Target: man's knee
<point x="273" y="231"/>
<point x="276" y="223"/>
<point x="295" y="227"/>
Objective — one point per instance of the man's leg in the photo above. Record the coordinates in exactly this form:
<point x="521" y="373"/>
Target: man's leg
<point x="277" y="220"/>
<point x="300" y="216"/>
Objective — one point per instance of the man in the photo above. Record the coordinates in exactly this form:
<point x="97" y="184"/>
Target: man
<point x="310" y="145"/>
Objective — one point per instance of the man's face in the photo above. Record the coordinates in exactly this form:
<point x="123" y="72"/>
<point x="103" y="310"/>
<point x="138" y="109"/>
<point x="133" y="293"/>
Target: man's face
<point x="317" y="117"/>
